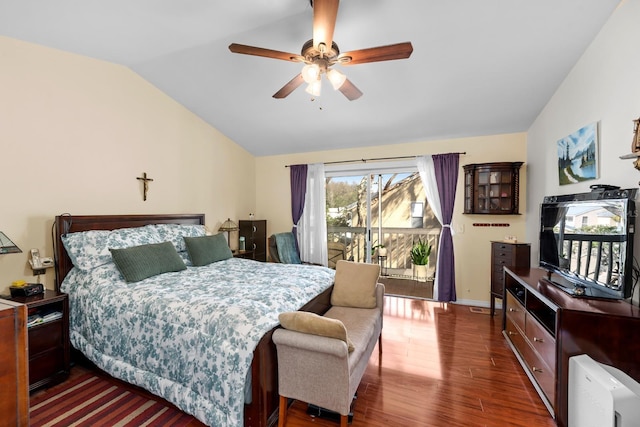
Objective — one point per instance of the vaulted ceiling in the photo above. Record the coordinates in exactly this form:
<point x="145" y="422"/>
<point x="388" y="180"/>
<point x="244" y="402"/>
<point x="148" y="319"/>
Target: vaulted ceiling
<point x="477" y="68"/>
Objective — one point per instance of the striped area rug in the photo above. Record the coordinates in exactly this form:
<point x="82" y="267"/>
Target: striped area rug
<point x="91" y="400"/>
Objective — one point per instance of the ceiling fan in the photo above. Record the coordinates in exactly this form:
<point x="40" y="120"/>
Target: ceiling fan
<point x="321" y="53"/>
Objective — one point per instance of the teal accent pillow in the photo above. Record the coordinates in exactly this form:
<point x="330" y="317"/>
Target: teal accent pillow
<point x="139" y="262"/>
<point x="207" y="249"/>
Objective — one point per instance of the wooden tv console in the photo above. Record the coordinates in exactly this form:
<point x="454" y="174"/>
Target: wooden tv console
<point x="545" y="326"/>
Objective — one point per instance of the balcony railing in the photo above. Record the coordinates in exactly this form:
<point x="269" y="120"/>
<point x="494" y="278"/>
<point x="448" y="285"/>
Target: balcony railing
<point x="397" y="241"/>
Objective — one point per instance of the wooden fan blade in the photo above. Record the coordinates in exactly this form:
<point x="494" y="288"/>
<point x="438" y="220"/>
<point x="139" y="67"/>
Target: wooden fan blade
<point x="376" y="54"/>
<point x="325" y="13"/>
<point x="289" y="87"/>
<point x="267" y="53"/>
<point x="349" y="90"/>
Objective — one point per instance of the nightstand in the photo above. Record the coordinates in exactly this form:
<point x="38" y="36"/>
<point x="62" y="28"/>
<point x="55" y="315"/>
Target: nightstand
<point x="243" y="254"/>
<point x="49" y="347"/>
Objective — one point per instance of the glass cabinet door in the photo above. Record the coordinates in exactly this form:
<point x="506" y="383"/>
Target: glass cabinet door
<point x="468" y="192"/>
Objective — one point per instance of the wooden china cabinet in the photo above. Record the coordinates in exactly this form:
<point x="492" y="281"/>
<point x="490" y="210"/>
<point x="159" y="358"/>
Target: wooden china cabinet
<point x="492" y="188"/>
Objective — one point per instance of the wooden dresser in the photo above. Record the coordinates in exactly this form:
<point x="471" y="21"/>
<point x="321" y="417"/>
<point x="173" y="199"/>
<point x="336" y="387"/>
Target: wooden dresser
<point x="545" y="326"/>
<point x="255" y="235"/>
<point x="14" y="373"/>
<point x="503" y="254"/>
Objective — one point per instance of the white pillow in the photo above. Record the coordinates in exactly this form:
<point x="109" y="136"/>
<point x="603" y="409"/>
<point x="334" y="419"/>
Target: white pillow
<point x="90" y="249"/>
<point x="175" y="233"/>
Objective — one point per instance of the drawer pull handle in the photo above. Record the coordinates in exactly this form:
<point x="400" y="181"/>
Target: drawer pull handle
<point x="536" y="339"/>
<point x="534" y="369"/>
<point x="512" y="333"/>
<point x="513" y="310"/>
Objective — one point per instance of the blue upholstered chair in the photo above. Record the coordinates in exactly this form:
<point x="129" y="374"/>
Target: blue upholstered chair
<point x="282" y="248"/>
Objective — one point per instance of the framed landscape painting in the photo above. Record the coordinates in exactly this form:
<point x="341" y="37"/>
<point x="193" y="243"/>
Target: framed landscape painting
<point x="578" y="155"/>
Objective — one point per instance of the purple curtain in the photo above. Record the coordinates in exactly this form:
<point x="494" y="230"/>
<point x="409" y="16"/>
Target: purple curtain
<point x="298" y="175"/>
<point x="446" y="170"/>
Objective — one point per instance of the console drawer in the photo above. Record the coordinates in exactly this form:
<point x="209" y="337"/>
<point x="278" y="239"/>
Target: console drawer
<point x="541" y="340"/>
<point x="515" y="311"/>
<point x="46" y="365"/>
<point x="545" y="376"/>
<point x="515" y="335"/>
<point x="45" y="337"/>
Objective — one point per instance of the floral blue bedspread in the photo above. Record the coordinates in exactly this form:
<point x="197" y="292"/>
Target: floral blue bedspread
<point x="187" y="336"/>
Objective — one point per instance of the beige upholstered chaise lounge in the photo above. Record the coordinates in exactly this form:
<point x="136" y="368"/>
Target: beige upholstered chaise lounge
<point x="321" y="359"/>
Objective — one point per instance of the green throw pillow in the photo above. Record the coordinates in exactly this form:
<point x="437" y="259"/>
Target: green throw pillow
<point x="207" y="249"/>
<point x="139" y="262"/>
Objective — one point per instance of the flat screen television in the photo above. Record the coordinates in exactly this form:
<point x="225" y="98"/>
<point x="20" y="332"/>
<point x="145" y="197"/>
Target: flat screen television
<point x="587" y="239"/>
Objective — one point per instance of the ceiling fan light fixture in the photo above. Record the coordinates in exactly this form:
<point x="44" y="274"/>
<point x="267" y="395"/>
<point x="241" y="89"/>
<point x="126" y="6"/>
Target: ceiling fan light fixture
<point x="314" y="88"/>
<point x="311" y="73"/>
<point x="336" y="78"/>
<point x="321" y="52"/>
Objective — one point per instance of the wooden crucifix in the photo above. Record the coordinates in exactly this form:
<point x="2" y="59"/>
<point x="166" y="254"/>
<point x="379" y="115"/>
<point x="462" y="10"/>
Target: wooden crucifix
<point x="145" y="182"/>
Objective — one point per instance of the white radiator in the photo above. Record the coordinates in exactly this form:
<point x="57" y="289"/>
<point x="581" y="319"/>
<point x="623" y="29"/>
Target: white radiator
<point x="601" y="395"/>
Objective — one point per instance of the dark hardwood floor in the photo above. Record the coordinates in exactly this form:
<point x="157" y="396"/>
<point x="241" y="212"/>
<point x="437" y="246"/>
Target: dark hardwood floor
<point x="442" y="365"/>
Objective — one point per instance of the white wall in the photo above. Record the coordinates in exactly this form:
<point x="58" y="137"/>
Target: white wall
<point x="75" y="133"/>
<point x="603" y="87"/>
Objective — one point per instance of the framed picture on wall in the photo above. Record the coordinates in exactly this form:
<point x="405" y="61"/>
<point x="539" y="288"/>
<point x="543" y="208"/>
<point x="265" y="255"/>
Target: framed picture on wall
<point x="578" y="155"/>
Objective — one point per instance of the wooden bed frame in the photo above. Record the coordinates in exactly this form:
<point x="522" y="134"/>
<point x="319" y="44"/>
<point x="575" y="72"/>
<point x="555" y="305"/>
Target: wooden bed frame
<point x="263" y="409"/>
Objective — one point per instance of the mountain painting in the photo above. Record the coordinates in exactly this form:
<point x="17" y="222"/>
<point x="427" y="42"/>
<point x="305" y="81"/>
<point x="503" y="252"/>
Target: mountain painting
<point x="578" y="155"/>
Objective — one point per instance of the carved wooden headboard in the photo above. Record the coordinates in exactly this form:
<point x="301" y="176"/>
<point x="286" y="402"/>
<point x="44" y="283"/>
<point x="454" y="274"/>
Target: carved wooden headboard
<point x="70" y="224"/>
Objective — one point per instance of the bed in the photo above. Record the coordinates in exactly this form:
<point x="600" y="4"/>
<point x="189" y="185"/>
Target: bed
<point x="113" y="322"/>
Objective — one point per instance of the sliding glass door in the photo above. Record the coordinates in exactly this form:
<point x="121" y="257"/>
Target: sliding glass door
<point x="377" y="216"/>
<point x="347" y="218"/>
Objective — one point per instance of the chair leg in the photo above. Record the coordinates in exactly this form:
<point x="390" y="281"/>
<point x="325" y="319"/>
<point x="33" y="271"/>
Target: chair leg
<point x="282" y="414"/>
<point x="380" y="344"/>
<point x="344" y="419"/>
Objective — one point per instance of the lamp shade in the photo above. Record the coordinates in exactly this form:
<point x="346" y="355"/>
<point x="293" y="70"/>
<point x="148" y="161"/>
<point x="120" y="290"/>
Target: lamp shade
<point x="310" y="73"/>
<point x="336" y="78"/>
<point x="7" y="246"/>
<point x="228" y="225"/>
<point x="314" y="88"/>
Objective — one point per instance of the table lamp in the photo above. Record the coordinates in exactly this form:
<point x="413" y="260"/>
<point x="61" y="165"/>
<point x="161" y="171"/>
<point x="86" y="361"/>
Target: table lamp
<point x="228" y="226"/>
<point x="7" y="246"/>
